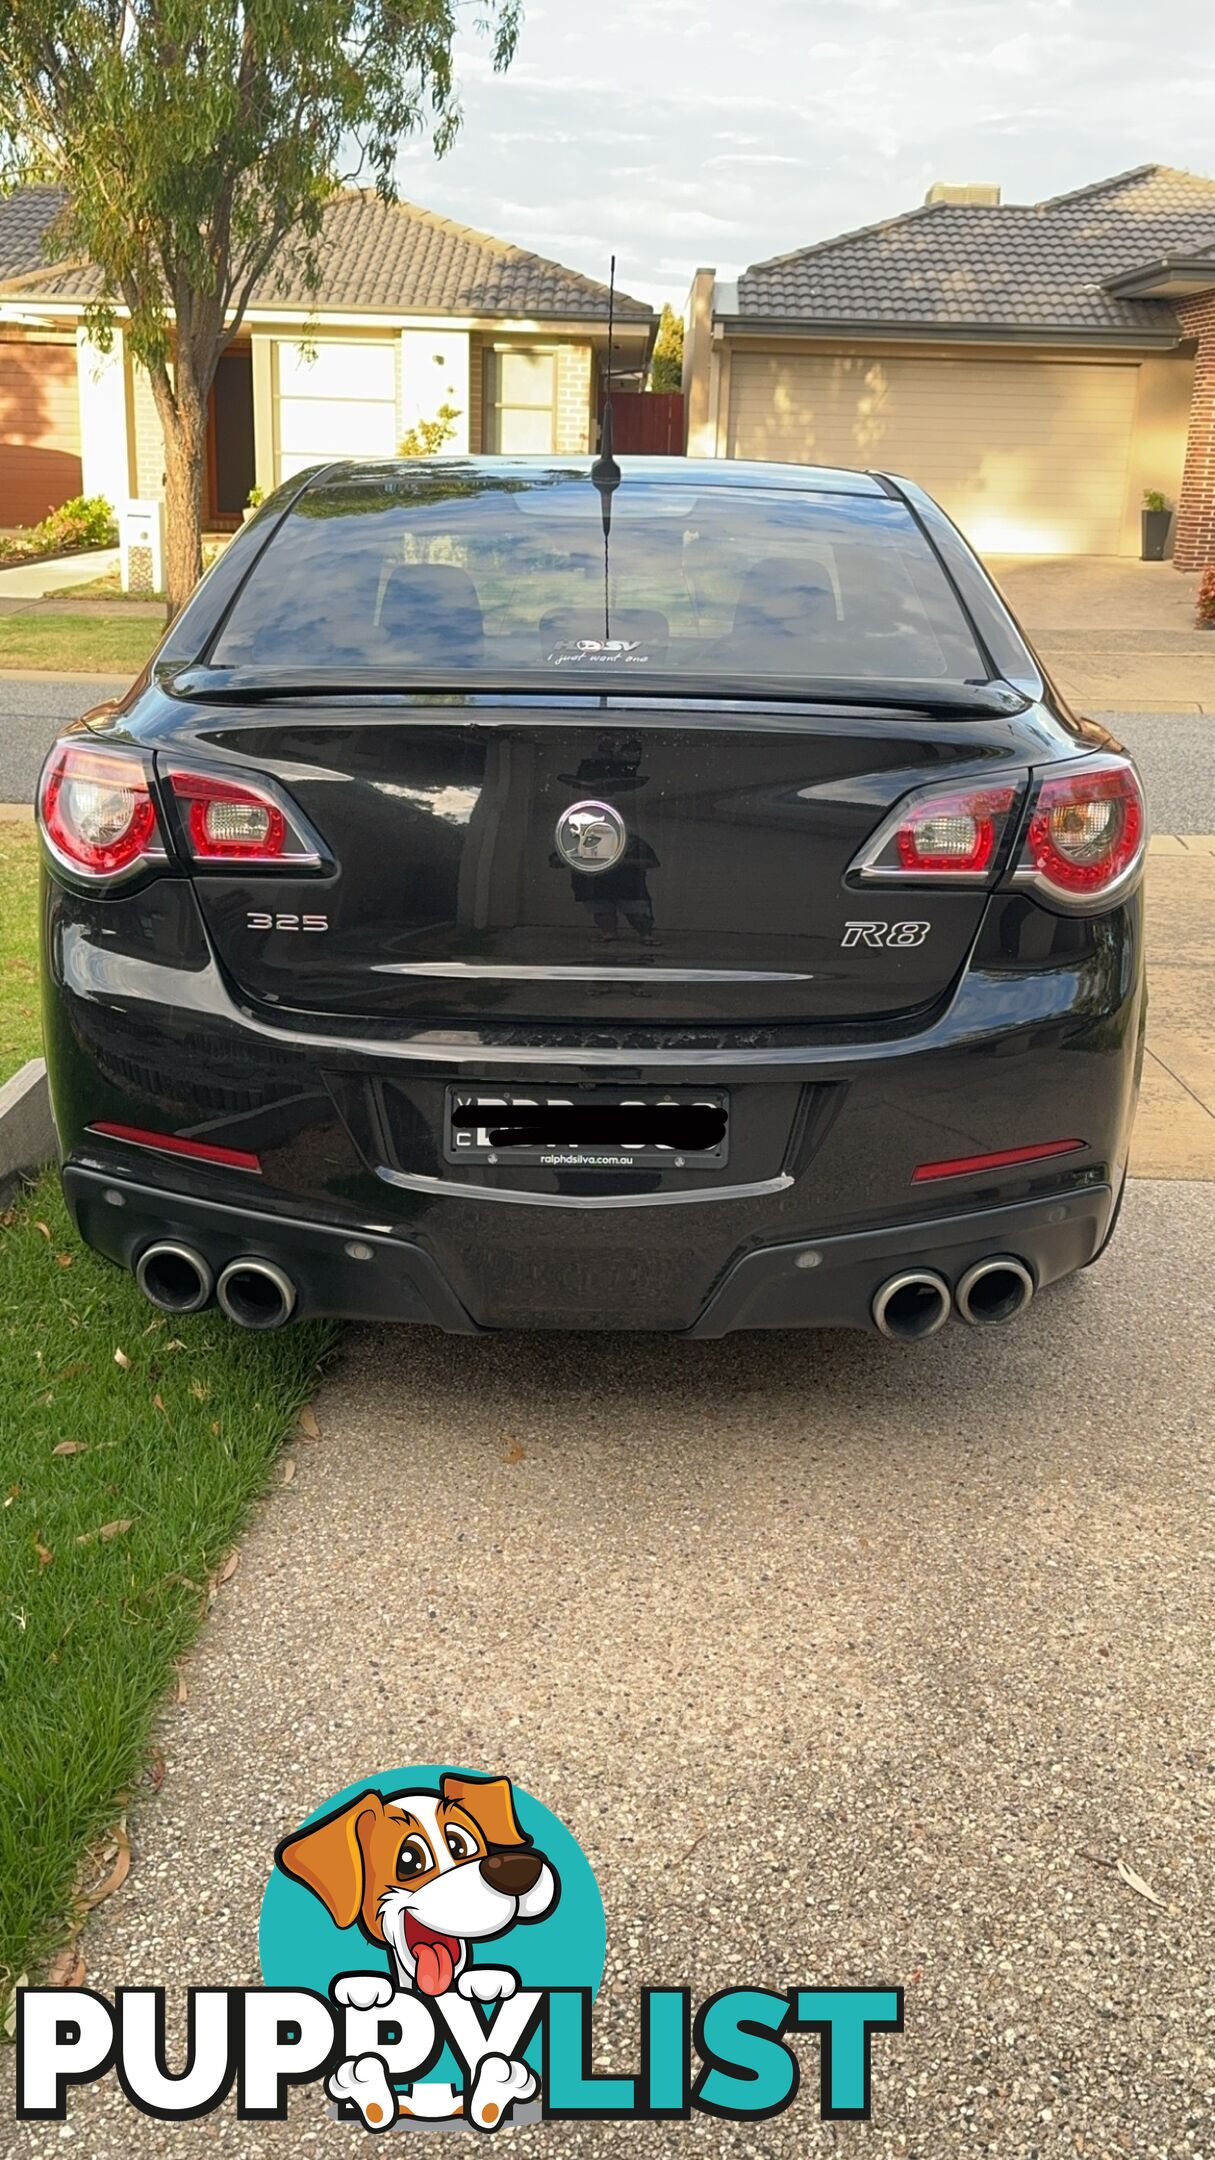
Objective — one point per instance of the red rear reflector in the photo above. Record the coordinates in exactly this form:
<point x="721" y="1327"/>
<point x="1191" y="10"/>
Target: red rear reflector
<point x="965" y="1165"/>
<point x="96" y="811"/>
<point x="173" y="1144"/>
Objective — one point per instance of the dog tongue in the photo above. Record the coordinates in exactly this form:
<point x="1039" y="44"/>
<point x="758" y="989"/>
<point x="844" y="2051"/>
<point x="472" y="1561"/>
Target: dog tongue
<point x="435" y="1967"/>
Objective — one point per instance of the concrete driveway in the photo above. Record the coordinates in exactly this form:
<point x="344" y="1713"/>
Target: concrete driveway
<point x="1117" y="635"/>
<point x="845" y="1664"/>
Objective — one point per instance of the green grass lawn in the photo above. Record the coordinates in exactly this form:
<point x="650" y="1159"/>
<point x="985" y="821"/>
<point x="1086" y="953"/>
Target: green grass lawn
<point x="20" y="1026"/>
<point x="78" y="644"/>
<point x="131" y="1449"/>
<point x="106" y="587"/>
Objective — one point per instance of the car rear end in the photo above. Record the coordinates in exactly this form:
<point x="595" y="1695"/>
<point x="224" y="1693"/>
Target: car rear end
<point x="502" y="909"/>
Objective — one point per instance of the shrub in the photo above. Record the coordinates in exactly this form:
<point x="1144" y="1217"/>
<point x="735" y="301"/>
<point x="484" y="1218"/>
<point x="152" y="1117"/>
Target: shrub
<point x="1154" y="500"/>
<point x="429" y="436"/>
<point x="1206" y="599"/>
<point x="666" y="367"/>
<point x="87" y="521"/>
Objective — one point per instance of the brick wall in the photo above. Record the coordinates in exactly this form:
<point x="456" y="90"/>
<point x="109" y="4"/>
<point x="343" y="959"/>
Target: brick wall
<point x="573" y="421"/>
<point x="149" y="441"/>
<point x="1194" y="540"/>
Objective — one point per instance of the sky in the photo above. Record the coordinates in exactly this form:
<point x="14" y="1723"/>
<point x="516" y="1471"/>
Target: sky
<point x="722" y="132"/>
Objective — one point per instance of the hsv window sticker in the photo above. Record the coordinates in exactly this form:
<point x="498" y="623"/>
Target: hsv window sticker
<point x="598" y="652"/>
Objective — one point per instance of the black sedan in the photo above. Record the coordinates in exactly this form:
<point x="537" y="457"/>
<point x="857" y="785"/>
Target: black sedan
<point x="516" y="896"/>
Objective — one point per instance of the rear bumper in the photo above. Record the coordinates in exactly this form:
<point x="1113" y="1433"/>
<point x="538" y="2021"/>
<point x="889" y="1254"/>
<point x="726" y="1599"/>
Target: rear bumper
<point x="364" y="1275"/>
<point x="1040" y="1039"/>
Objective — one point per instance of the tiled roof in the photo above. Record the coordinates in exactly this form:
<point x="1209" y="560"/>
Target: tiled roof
<point x="24" y="217"/>
<point x="986" y="266"/>
<point x="394" y="257"/>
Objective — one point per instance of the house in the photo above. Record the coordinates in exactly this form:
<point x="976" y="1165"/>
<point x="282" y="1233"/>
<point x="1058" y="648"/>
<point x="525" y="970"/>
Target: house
<point x="414" y="313"/>
<point x="1036" y="367"/>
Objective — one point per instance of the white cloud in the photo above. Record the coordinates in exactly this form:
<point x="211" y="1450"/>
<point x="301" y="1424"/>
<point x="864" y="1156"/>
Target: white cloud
<point x="673" y="133"/>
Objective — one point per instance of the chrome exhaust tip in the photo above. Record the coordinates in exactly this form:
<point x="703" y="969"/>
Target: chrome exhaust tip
<point x="174" y="1278"/>
<point x="256" y="1293"/>
<point x="993" y="1291"/>
<point x="911" y="1306"/>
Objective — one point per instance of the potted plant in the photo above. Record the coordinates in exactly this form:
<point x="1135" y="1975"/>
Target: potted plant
<point x="253" y="501"/>
<point x="1205" y="616"/>
<point x="1156" y="520"/>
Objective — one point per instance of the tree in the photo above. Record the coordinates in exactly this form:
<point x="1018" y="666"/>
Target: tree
<point x="666" y="367"/>
<point x="199" y="140"/>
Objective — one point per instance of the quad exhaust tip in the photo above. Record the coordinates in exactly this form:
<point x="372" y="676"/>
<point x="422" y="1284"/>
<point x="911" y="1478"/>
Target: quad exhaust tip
<point x="911" y="1306"/>
<point x="993" y="1291"/>
<point x="256" y="1293"/>
<point x="174" y="1278"/>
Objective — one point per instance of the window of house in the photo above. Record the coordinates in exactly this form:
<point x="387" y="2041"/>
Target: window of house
<point x="520" y="400"/>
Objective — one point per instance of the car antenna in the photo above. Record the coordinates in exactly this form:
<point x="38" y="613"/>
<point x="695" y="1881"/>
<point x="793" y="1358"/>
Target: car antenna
<point x="605" y="472"/>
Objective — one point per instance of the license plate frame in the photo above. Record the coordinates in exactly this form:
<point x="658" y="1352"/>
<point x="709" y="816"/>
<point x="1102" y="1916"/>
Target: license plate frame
<point x="472" y="1144"/>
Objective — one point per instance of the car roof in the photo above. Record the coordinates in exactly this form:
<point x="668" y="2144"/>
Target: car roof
<point x="702" y="472"/>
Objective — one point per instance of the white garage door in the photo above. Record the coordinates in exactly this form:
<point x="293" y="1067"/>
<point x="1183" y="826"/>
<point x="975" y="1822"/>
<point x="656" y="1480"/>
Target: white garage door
<point x="335" y="399"/>
<point x="1027" y="456"/>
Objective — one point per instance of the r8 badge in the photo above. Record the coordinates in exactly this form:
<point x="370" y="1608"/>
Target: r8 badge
<point x="883" y="934"/>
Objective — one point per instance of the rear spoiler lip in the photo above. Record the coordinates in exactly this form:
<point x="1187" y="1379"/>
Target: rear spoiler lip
<point x="228" y="686"/>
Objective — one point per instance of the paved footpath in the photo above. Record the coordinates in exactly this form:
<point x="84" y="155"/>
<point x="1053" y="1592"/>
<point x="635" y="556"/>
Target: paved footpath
<point x="844" y="1663"/>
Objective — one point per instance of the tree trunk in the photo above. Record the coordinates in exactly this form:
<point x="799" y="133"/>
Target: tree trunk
<point x="183" y="419"/>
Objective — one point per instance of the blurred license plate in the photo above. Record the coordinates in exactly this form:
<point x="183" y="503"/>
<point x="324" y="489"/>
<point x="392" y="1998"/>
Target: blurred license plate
<point x="590" y="1128"/>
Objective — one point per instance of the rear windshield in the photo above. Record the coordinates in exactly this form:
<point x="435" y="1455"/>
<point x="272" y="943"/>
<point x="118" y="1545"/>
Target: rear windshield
<point x="471" y="574"/>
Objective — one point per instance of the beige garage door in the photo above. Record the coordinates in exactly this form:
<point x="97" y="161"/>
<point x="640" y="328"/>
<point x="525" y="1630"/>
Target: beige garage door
<point x="1028" y="456"/>
<point x="39" y="431"/>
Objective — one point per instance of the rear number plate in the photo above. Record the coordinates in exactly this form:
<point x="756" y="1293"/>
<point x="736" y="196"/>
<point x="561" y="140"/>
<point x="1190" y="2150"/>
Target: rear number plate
<point x="590" y="1129"/>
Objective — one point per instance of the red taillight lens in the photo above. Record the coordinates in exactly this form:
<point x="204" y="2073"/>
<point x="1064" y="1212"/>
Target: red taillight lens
<point x="237" y="821"/>
<point x="1087" y="833"/>
<point x="97" y="813"/>
<point x="943" y="833"/>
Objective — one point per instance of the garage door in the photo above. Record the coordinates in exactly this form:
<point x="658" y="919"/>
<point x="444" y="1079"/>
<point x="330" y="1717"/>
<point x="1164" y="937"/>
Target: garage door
<point x="335" y="399"/>
<point x="1027" y="456"/>
<point x="39" y="431"/>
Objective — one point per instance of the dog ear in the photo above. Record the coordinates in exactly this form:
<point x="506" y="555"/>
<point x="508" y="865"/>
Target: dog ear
<point x="491" y="1804"/>
<point x="327" y="1857"/>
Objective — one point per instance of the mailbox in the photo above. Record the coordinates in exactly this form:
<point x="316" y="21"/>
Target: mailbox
<point x="142" y="547"/>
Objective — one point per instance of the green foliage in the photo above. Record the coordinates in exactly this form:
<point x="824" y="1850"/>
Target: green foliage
<point x="1154" y="500"/>
<point x="666" y="367"/>
<point x="1206" y="600"/>
<point x="427" y="437"/>
<point x="87" y="521"/>
<point x="194" y="135"/>
<point x="20" y="1015"/>
<point x="255" y="498"/>
<point x="199" y="141"/>
<point x="131" y="1451"/>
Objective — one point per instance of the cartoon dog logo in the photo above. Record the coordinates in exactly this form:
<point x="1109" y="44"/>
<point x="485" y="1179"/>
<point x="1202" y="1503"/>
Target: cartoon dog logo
<point x="423" y="1875"/>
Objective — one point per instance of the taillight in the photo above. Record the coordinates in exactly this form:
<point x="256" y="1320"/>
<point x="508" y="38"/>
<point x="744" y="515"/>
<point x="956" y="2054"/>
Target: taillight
<point x="943" y="833"/>
<point x="1087" y="834"/>
<point x="231" y="821"/>
<point x="97" y="814"/>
